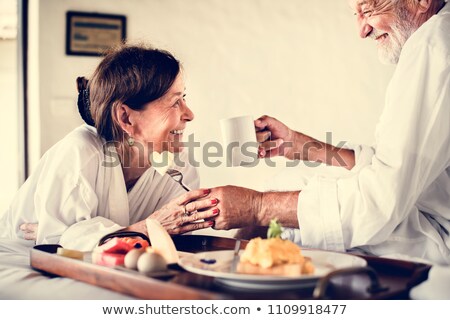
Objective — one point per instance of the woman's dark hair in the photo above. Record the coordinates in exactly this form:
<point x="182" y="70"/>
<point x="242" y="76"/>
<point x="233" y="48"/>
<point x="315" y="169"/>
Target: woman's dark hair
<point x="83" y="101"/>
<point x="130" y="75"/>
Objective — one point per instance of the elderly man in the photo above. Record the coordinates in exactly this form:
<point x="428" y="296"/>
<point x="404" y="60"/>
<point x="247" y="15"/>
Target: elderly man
<point x="395" y="197"/>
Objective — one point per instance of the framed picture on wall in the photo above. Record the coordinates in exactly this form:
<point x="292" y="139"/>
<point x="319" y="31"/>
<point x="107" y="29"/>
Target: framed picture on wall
<point x="91" y="34"/>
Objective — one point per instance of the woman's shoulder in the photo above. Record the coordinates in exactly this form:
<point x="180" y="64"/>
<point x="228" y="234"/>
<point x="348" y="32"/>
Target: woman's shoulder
<point x="83" y="136"/>
<point x="78" y="147"/>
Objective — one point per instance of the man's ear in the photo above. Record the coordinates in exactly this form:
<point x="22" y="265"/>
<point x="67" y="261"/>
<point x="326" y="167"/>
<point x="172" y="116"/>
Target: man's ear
<point x="424" y="5"/>
<point x="122" y="115"/>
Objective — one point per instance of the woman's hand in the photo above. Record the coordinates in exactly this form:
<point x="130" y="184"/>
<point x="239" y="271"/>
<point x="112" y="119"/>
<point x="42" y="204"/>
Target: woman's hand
<point x="29" y="230"/>
<point x="185" y="213"/>
<point x="275" y="138"/>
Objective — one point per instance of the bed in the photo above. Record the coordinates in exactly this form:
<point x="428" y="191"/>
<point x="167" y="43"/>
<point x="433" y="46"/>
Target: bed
<point x="18" y="281"/>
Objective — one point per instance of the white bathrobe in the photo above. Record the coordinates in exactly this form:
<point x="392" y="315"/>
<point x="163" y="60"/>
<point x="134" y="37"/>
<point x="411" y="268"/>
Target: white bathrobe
<point x="77" y="193"/>
<point x="396" y="200"/>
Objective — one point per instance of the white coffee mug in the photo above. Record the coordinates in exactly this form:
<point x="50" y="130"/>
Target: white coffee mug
<point x="239" y="138"/>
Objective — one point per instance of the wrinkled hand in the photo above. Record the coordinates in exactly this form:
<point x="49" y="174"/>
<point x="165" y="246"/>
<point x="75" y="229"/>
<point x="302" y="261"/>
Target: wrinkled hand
<point x="239" y="207"/>
<point x="275" y="138"/>
<point x="197" y="205"/>
<point x="29" y="230"/>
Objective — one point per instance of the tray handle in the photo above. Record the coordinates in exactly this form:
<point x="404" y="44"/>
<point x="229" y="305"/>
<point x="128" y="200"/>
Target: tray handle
<point x="123" y="234"/>
<point x="322" y="285"/>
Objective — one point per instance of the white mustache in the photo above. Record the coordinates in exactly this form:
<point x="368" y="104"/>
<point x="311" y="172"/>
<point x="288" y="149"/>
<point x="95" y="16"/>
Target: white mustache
<point x="375" y="34"/>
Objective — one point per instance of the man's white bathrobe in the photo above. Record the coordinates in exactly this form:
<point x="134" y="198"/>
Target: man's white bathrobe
<point x="396" y="200"/>
<point x="77" y="193"/>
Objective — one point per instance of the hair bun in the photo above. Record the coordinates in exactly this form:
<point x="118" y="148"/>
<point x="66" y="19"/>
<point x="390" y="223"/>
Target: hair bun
<point x="84" y="105"/>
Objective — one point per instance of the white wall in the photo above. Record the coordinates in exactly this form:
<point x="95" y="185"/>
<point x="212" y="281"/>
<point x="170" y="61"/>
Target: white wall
<point x="9" y="155"/>
<point x="300" y="61"/>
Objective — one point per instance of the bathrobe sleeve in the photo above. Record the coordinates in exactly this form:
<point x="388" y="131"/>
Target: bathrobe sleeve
<point x="378" y="202"/>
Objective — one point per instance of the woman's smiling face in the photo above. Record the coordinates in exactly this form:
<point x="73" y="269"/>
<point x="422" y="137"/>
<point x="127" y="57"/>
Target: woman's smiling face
<point x="160" y="125"/>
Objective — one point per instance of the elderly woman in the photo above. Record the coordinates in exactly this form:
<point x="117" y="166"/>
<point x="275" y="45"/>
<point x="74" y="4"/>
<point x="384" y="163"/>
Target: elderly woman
<point x="99" y="179"/>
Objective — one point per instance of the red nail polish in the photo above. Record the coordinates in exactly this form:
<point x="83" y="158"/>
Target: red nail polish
<point x="214" y="201"/>
<point x="206" y="191"/>
<point x="215" y="211"/>
<point x="210" y="223"/>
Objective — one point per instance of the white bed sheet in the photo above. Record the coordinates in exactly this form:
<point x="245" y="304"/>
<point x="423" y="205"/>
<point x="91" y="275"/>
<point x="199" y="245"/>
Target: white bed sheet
<point x="18" y="281"/>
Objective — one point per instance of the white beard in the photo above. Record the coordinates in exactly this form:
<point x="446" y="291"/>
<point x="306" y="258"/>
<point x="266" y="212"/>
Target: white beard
<point x="389" y="51"/>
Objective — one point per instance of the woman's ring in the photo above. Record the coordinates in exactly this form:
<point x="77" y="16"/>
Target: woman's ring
<point x="185" y="212"/>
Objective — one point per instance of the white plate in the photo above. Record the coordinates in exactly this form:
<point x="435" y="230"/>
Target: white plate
<point x="220" y="264"/>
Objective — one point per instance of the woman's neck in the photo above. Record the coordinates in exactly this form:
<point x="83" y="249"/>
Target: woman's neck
<point x="134" y="163"/>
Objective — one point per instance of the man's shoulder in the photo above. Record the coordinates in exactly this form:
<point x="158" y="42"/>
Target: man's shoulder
<point x="435" y="32"/>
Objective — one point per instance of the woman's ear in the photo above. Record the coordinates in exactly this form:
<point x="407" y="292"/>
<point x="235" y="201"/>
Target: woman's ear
<point x="122" y="116"/>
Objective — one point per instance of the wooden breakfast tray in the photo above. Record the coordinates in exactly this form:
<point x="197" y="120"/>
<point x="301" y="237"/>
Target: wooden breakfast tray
<point x="383" y="279"/>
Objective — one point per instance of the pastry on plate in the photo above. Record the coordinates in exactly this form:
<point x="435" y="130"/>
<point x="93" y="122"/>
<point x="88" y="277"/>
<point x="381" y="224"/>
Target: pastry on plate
<point x="274" y="256"/>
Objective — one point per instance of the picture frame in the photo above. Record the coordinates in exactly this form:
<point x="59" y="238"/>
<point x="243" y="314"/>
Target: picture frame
<point x="91" y="34"/>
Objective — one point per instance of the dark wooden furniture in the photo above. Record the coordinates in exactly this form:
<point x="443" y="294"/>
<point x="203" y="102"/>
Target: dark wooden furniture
<point x="383" y="279"/>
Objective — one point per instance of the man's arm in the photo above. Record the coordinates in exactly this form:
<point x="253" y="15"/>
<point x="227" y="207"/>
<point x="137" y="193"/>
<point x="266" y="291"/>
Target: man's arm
<point x="310" y="149"/>
<point x="241" y="207"/>
<point x="276" y="139"/>
<point x="279" y="205"/>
